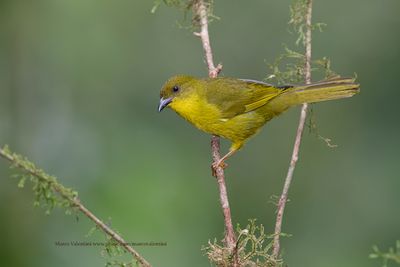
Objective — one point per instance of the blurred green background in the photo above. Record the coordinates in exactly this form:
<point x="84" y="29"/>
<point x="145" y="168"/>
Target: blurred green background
<point x="79" y="84"/>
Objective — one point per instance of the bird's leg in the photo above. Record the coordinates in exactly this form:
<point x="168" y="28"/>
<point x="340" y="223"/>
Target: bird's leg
<point x="221" y="163"/>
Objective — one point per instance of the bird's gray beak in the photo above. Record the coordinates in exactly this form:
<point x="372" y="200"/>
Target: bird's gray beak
<point x="164" y="103"/>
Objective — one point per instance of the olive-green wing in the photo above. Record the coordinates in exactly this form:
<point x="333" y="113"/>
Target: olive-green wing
<point x="236" y="96"/>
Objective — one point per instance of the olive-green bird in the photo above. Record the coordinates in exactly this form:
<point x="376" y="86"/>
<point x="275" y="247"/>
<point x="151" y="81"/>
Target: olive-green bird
<point x="236" y="109"/>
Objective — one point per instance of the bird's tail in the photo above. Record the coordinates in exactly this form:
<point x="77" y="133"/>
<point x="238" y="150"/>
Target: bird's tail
<point x="316" y="92"/>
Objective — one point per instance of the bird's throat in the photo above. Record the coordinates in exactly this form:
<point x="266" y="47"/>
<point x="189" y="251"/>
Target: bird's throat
<point x="197" y="111"/>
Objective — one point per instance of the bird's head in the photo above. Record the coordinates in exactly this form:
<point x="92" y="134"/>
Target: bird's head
<point x="175" y="88"/>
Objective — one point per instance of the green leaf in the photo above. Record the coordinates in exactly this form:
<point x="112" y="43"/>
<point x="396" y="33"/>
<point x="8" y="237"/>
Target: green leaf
<point x="21" y="182"/>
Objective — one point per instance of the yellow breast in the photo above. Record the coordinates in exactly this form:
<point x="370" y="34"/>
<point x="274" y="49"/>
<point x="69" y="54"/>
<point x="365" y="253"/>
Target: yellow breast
<point x="197" y="111"/>
<point x="207" y="117"/>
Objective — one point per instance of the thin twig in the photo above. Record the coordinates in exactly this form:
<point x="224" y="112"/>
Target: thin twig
<point x="75" y="202"/>
<point x="200" y="9"/>
<point x="296" y="148"/>
<point x="230" y="239"/>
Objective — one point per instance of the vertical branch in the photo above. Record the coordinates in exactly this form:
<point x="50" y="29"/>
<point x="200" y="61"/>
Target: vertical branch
<point x="201" y="11"/>
<point x="230" y="240"/>
<point x="296" y="148"/>
<point x="307" y="66"/>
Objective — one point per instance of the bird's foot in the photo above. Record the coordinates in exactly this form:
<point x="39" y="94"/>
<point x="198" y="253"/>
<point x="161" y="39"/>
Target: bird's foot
<point x="216" y="165"/>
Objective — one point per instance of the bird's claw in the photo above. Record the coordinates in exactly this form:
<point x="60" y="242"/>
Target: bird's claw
<point x="216" y="165"/>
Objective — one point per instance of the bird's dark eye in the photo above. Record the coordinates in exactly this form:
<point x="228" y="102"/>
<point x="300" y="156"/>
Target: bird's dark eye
<point x="175" y="88"/>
